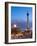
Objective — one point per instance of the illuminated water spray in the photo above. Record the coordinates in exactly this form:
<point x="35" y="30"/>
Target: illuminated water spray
<point x="14" y="25"/>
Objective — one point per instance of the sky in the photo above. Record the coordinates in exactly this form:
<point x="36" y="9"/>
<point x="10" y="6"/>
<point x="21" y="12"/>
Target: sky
<point x="20" y="13"/>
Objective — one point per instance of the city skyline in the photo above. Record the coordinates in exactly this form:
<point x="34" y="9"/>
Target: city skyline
<point x="21" y="22"/>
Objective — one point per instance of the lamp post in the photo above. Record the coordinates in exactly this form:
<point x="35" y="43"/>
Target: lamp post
<point x="27" y="20"/>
